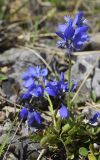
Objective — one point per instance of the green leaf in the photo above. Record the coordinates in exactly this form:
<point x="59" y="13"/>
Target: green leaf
<point x="68" y="140"/>
<point x="71" y="156"/>
<point x="83" y="151"/>
<point x="36" y="137"/>
<point x="73" y="130"/>
<point x="66" y="127"/>
<point x="48" y="139"/>
<point x="91" y="156"/>
<point x="2" y="77"/>
<point x="5" y="141"/>
<point x="58" y="124"/>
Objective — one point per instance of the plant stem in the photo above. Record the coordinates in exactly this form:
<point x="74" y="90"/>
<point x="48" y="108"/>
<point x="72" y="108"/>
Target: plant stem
<point x="51" y="110"/>
<point x="69" y="84"/>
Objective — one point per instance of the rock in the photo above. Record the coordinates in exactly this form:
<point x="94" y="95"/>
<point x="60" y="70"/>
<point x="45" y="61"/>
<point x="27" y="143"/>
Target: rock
<point x="96" y="82"/>
<point x="7" y="126"/>
<point x="82" y="66"/>
<point x="25" y="149"/>
<point x="11" y="156"/>
<point x="2" y="116"/>
<point x="17" y="56"/>
<point x="95" y="42"/>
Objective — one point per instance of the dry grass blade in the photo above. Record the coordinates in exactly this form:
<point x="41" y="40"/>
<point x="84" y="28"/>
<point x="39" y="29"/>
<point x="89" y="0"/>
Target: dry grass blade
<point x="5" y="99"/>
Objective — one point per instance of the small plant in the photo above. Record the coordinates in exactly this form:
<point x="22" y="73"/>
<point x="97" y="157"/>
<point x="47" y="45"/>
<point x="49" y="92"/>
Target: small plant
<point x="65" y="133"/>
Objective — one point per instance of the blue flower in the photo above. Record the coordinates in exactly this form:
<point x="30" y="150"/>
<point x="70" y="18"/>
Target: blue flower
<point x="52" y="88"/>
<point x="78" y="19"/>
<point x="27" y="83"/>
<point x="62" y="84"/>
<point x="34" y="117"/>
<point x="27" y="79"/>
<point x="37" y="71"/>
<point x="57" y="88"/>
<point x="63" y="111"/>
<point x="73" y="33"/>
<point x="95" y="118"/>
<point x="36" y="91"/>
<point x="30" y="115"/>
<point x="24" y="113"/>
<point x="38" y="118"/>
<point x="32" y="74"/>
<point x="31" y="118"/>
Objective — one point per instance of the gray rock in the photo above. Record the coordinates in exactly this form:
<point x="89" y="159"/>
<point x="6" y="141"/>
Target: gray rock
<point x="11" y="156"/>
<point x="16" y="55"/>
<point x="82" y="66"/>
<point x="96" y="82"/>
<point x="7" y="126"/>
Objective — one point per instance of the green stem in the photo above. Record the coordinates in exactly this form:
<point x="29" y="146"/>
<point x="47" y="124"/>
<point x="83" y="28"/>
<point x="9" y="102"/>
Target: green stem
<point x="64" y="147"/>
<point x="69" y="84"/>
<point x="51" y="109"/>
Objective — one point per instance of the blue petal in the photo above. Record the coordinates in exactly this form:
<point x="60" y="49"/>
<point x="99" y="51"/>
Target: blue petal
<point x="78" y="19"/>
<point x="63" y="111"/>
<point x="64" y="87"/>
<point x="44" y="72"/>
<point x="31" y="118"/>
<point x="25" y="75"/>
<point x="37" y="117"/>
<point x="61" y="27"/>
<point x="38" y="70"/>
<point x="32" y="71"/>
<point x="24" y="113"/>
<point x="31" y="87"/>
<point x="69" y="32"/>
<point x="53" y="83"/>
<point x="51" y="91"/>
<point x="79" y="40"/>
<point x="60" y="35"/>
<point x="81" y="29"/>
<point x="37" y="91"/>
<point x="95" y="117"/>
<point x="26" y="96"/>
<point x="85" y="37"/>
<point x="27" y="83"/>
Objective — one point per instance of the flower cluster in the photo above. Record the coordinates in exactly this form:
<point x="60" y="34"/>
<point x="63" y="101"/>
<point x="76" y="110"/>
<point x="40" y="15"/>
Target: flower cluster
<point x="33" y="80"/>
<point x="57" y="88"/>
<point x="73" y="32"/>
<point x="36" y="84"/>
<point x="31" y="115"/>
